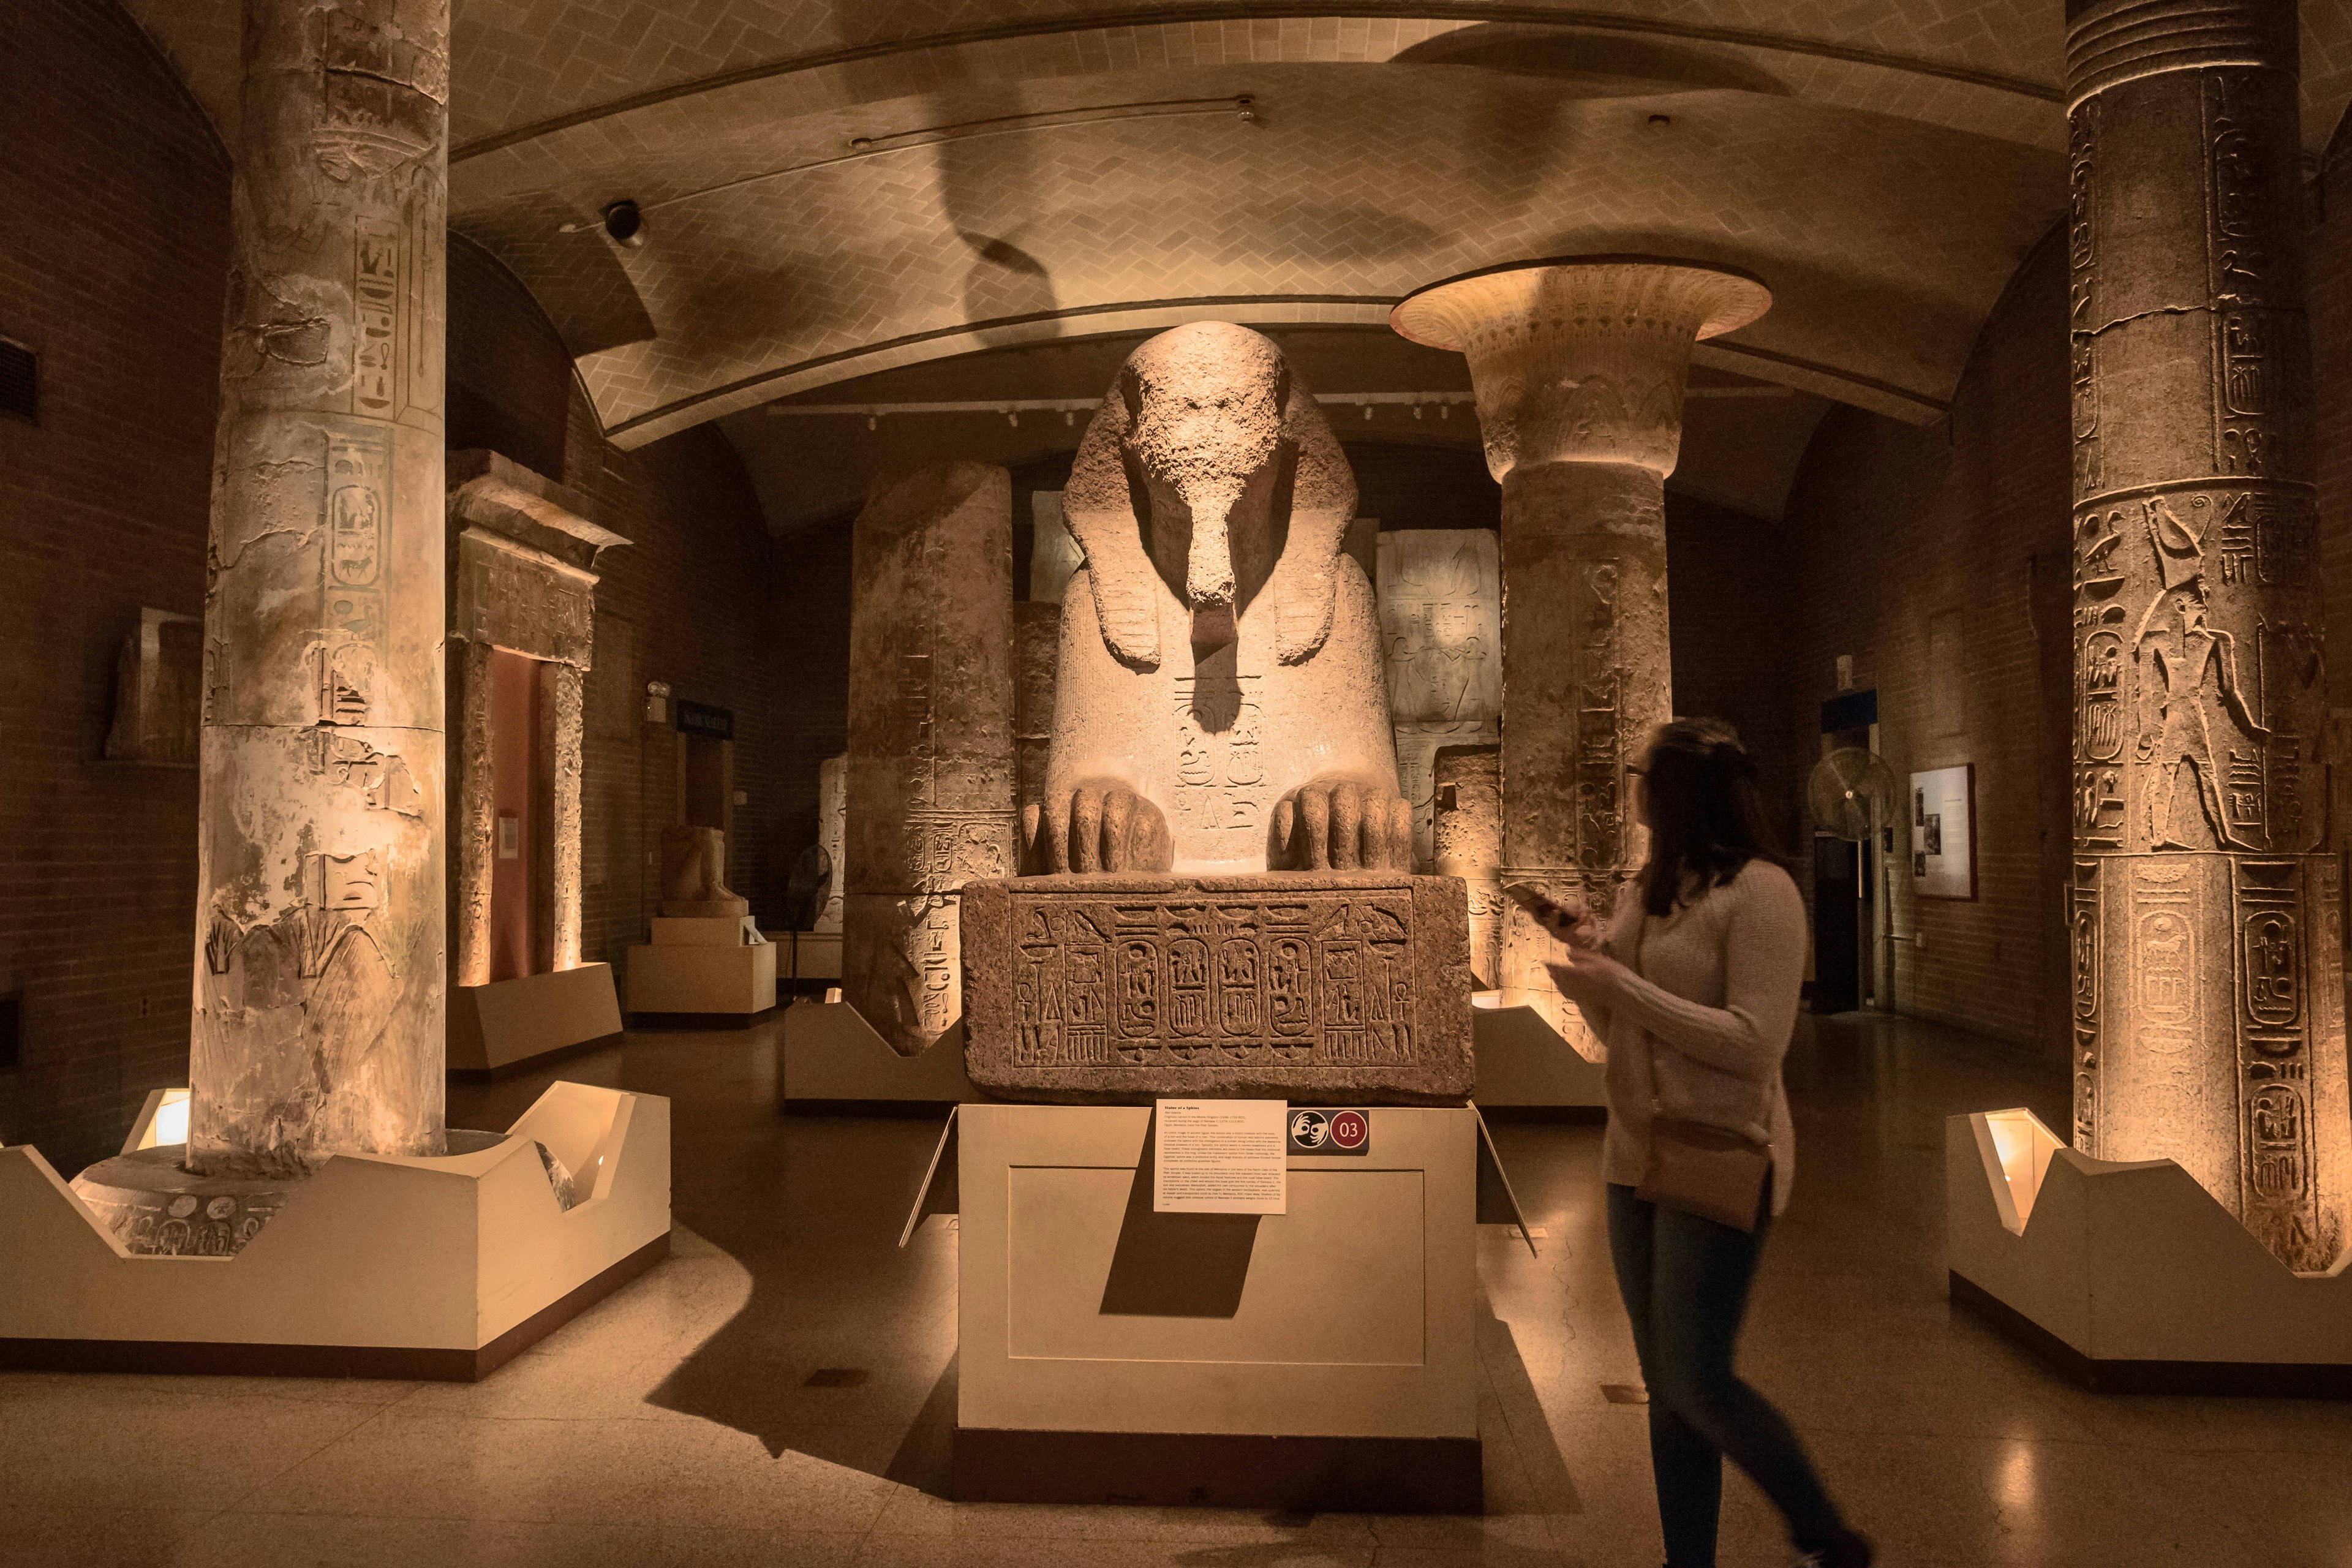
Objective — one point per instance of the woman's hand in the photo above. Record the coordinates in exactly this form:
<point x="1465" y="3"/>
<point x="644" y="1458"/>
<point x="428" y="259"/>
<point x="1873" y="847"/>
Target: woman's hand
<point x="1589" y="978"/>
<point x="1572" y="922"/>
<point x="1576" y="925"/>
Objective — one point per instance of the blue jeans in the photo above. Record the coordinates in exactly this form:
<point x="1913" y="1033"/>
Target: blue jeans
<point x="1684" y="1280"/>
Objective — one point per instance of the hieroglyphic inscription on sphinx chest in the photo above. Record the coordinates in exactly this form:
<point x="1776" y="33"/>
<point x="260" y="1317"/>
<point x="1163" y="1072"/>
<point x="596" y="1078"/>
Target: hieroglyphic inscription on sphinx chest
<point x="1221" y="783"/>
<point x="1091" y="986"/>
<point x="1295" y="981"/>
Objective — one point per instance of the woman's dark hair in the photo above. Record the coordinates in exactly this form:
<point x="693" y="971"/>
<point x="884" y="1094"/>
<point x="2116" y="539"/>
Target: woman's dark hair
<point x="1707" y="815"/>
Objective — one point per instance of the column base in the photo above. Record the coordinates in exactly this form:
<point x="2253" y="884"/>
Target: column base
<point x="2127" y="1277"/>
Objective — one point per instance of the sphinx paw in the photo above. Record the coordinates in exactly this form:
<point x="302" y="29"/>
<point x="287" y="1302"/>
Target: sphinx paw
<point x="1094" y="827"/>
<point x="1342" y="826"/>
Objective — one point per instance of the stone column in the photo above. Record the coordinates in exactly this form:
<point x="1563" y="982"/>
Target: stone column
<point x="1578" y="369"/>
<point x="930" y="738"/>
<point x="2208" y="1020"/>
<point x="319" y="966"/>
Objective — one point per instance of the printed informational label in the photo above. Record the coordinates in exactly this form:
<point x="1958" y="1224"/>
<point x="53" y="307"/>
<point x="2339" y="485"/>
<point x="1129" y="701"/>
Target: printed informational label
<point x="1219" y="1156"/>
<point x="1330" y="1130"/>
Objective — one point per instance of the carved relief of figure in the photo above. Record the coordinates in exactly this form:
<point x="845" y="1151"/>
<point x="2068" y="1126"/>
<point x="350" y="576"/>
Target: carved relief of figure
<point x="2177" y="646"/>
<point x="1220" y="701"/>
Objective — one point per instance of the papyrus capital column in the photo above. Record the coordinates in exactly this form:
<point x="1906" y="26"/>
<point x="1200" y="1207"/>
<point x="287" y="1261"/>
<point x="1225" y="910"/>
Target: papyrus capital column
<point x="319" y="969"/>
<point x="1579" y="370"/>
<point x="2208" y="998"/>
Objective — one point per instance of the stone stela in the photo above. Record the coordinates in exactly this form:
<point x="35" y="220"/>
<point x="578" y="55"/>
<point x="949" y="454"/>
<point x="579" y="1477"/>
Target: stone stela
<point x="1441" y="596"/>
<point x="931" y="769"/>
<point x="1111" y="987"/>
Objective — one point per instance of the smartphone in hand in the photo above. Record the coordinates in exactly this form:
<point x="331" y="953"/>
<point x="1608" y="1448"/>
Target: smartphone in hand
<point x="1575" y="927"/>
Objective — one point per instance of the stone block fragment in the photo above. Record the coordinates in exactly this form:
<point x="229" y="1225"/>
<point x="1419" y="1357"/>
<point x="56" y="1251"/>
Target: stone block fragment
<point x="1324" y="986"/>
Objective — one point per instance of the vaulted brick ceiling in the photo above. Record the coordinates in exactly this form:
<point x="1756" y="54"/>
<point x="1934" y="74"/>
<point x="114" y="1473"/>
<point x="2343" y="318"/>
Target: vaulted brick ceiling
<point x="1883" y="164"/>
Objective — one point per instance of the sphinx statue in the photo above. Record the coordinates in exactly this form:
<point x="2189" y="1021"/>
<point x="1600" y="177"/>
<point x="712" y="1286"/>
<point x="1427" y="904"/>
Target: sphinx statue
<point x="1219" y="705"/>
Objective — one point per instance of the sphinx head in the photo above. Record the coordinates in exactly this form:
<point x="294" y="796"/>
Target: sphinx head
<point x="1204" y="424"/>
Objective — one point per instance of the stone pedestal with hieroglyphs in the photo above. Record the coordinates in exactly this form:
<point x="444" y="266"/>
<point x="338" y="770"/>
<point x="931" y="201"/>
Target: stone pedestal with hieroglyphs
<point x="2208" y="998"/>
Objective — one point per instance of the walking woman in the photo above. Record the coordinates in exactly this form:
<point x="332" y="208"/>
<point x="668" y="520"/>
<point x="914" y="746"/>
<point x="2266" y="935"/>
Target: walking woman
<point x="1693" y="985"/>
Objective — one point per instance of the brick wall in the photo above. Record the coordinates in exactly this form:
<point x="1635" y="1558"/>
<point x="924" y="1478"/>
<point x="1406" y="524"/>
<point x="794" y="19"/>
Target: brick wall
<point x="113" y="272"/>
<point x="1728" y="577"/>
<point x="1903" y="537"/>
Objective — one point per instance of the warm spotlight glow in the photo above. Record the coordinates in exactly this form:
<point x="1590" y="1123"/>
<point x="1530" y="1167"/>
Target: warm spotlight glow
<point x="172" y="1118"/>
<point x="2024" y="1146"/>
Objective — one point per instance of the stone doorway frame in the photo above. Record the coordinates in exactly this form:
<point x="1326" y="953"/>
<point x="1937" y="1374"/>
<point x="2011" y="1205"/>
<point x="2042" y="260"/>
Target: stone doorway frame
<point x="521" y="579"/>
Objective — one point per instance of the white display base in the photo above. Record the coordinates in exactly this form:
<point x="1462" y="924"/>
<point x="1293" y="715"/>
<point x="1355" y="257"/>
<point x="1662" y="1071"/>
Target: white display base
<point x="2129" y="1276"/>
<point x="1524" y="1064"/>
<point x="817" y="956"/>
<point x="703" y="965"/>
<point x="497" y="1027"/>
<point x="1323" y="1358"/>
<point x="833" y="1060"/>
<point x="376" y="1267"/>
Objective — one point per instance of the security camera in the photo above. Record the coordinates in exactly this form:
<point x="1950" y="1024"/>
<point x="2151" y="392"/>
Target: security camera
<point x="625" y="223"/>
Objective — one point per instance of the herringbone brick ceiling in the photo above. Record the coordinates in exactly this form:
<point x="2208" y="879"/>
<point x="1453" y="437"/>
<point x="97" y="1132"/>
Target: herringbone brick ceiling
<point x="1883" y="164"/>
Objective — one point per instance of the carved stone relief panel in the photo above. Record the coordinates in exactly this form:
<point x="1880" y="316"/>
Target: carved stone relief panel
<point x="158" y="685"/>
<point x="1441" y="598"/>
<point x="1111" y="987"/>
<point x="931" y="724"/>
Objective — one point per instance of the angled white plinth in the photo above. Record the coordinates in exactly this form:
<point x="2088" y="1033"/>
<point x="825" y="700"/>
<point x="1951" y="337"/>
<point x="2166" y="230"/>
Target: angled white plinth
<point x="830" y="1054"/>
<point x="1523" y="1061"/>
<point x="377" y="1266"/>
<point x="2129" y="1274"/>
<point x="494" y="1026"/>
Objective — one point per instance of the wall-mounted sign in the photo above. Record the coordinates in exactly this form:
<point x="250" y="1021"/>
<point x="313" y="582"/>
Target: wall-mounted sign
<point x="702" y="719"/>
<point x="1326" y="1131"/>
<point x="1219" y="1156"/>
<point x="1944" y="833"/>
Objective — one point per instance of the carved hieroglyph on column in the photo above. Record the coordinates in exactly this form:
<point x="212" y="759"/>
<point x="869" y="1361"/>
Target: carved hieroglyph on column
<point x="1468" y="832"/>
<point x="833" y="833"/>
<point x="2208" y="999"/>
<point x="930" y="737"/>
<point x="1441" y="594"/>
<point x="523" y="585"/>
<point x="1578" y="369"/>
<point x="1219" y="705"/>
<point x="319" y="964"/>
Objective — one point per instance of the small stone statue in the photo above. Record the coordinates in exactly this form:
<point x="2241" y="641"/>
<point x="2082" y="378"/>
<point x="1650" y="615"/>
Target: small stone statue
<point x="694" y="875"/>
<point x="1220" y="704"/>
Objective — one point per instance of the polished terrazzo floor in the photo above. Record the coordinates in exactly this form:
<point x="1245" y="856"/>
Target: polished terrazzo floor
<point x="677" y="1423"/>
